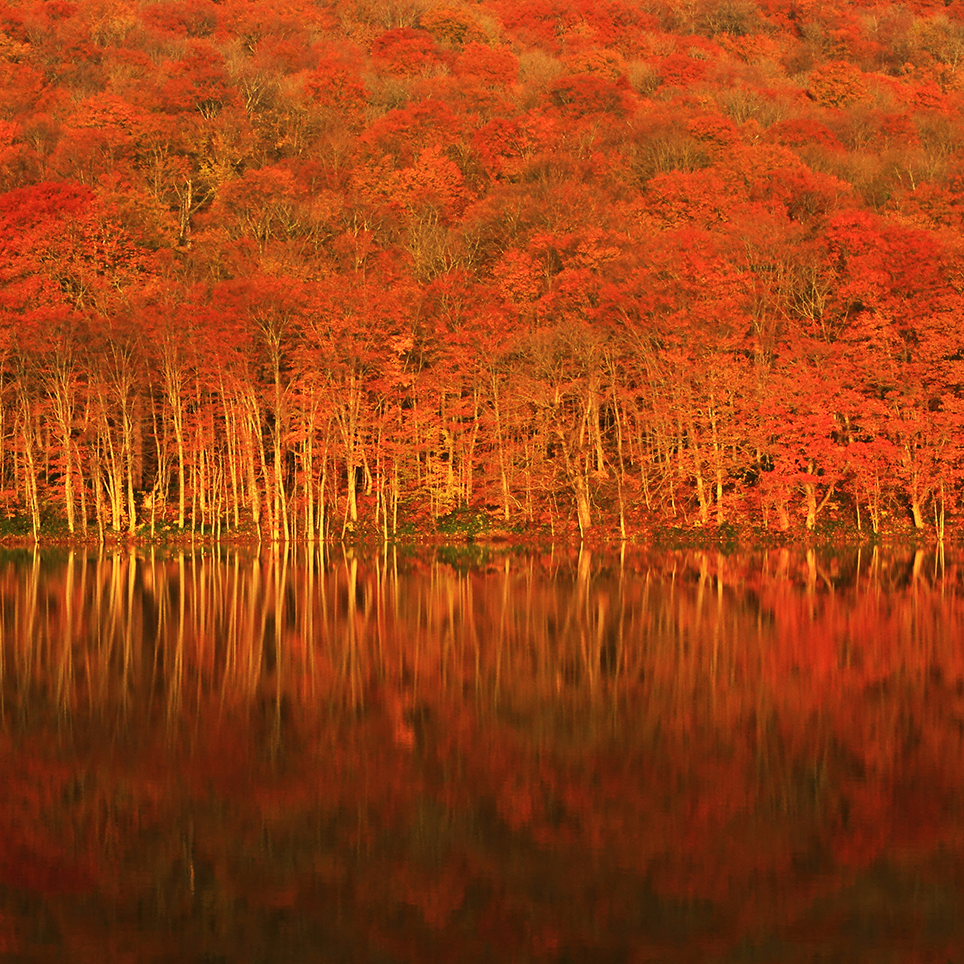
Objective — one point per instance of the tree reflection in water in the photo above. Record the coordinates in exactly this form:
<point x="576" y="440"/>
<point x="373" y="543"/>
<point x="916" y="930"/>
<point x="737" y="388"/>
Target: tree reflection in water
<point x="303" y="755"/>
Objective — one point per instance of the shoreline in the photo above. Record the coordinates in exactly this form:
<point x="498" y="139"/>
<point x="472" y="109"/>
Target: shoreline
<point x="668" y="538"/>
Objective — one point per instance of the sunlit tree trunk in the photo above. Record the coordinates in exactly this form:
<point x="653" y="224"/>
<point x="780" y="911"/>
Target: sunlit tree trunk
<point x="7" y="410"/>
<point x="62" y="390"/>
<point x="501" y="447"/>
<point x="233" y="447"/>
<point x="619" y="419"/>
<point x="348" y="414"/>
<point x="576" y="458"/>
<point x="172" y="372"/>
<point x="111" y="476"/>
<point x="813" y="502"/>
<point x="253" y="447"/>
<point x="28" y="434"/>
<point x="311" y="492"/>
<point x="96" y="471"/>
<point x="123" y="383"/>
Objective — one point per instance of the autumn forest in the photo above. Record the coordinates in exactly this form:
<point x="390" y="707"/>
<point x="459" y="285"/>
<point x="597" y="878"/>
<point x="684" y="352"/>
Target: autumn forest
<point x="315" y="269"/>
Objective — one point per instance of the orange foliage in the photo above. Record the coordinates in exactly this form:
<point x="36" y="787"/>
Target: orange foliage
<point x="150" y="153"/>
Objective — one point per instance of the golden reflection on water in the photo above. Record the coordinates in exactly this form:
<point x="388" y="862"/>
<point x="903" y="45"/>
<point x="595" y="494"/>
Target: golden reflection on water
<point x="648" y="755"/>
<point x="696" y="632"/>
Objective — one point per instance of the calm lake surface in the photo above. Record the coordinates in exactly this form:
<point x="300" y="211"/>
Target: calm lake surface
<point x="270" y="756"/>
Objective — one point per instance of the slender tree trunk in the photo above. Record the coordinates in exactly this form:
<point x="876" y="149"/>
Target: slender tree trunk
<point x="232" y="445"/>
<point x="500" y="444"/>
<point x="173" y="388"/>
<point x="28" y="436"/>
<point x="62" y="397"/>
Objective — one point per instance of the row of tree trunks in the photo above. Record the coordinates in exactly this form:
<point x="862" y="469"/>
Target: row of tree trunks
<point x="307" y="454"/>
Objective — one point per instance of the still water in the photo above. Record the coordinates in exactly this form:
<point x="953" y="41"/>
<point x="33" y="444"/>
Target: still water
<point x="271" y="756"/>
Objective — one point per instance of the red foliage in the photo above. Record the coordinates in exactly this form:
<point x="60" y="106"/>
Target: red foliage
<point x="183" y="17"/>
<point x="405" y="51"/>
<point x="495" y="66"/>
<point x="582" y="94"/>
<point x="335" y="83"/>
<point x="681" y="70"/>
<point x="804" y="132"/>
<point x="196" y="82"/>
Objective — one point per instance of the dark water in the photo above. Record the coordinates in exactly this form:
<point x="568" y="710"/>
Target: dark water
<point x="240" y="756"/>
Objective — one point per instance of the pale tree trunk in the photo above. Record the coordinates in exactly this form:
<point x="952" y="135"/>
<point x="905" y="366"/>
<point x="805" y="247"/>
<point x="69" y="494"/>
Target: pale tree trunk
<point x="4" y="356"/>
<point x="62" y="395"/>
<point x="349" y="417"/>
<point x="309" y="470"/>
<point x="620" y="458"/>
<point x="173" y="375"/>
<point x="98" y="481"/>
<point x="123" y="381"/>
<point x="268" y="503"/>
<point x="233" y="455"/>
<point x="468" y="455"/>
<point x="28" y="436"/>
<point x="915" y="493"/>
<point x="232" y="446"/>
<point x="157" y="497"/>
<point x="273" y="330"/>
<point x="815" y="505"/>
<point x="113" y="483"/>
<point x="696" y="454"/>
<point x="583" y="510"/>
<point x="252" y="444"/>
<point x="718" y="451"/>
<point x="500" y="444"/>
<point x="576" y="460"/>
<point x="917" y="511"/>
<point x="129" y="454"/>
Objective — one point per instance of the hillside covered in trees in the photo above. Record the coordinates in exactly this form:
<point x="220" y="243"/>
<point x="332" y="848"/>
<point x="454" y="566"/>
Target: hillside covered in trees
<point x="563" y="264"/>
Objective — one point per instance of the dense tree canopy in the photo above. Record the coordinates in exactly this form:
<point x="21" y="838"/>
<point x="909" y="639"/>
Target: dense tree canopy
<point x="314" y="267"/>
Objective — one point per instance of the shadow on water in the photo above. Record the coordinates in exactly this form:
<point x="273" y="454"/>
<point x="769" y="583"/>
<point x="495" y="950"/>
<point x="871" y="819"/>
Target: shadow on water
<point x="565" y="756"/>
